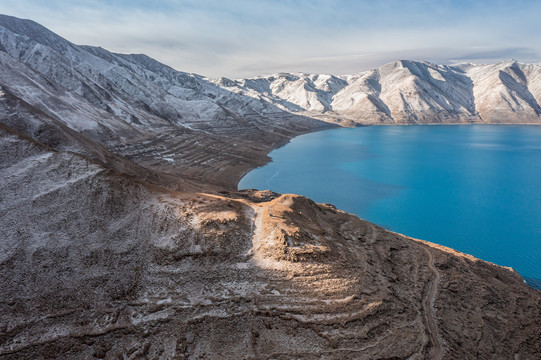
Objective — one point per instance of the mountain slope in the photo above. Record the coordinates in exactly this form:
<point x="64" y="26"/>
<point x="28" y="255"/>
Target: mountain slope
<point x="96" y="265"/>
<point x="405" y="92"/>
<point x="164" y="120"/>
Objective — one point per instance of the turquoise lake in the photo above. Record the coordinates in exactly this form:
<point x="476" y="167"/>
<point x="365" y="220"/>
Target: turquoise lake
<point x="474" y="188"/>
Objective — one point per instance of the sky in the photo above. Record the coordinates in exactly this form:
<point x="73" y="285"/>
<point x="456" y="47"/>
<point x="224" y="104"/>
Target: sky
<point x="243" y="38"/>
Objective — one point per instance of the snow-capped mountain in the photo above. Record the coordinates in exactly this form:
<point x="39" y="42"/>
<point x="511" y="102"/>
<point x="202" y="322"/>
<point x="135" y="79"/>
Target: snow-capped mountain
<point x="407" y="92"/>
<point x="131" y="106"/>
<point x="128" y="87"/>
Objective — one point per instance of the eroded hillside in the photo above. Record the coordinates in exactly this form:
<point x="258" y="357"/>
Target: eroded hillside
<point x="97" y="265"/>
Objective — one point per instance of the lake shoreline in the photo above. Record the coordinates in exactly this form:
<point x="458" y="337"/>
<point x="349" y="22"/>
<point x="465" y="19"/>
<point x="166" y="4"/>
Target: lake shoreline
<point x="390" y="224"/>
<point x="247" y="170"/>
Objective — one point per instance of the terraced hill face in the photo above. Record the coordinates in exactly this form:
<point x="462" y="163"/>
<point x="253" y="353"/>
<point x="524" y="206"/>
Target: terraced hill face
<point x="122" y="235"/>
<point x="96" y="264"/>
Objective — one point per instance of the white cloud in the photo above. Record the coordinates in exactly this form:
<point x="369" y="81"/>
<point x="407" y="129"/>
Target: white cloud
<point x="239" y="38"/>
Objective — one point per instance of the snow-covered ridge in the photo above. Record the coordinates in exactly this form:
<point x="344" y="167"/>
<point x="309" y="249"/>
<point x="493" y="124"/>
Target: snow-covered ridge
<point x="141" y="92"/>
<point x="133" y="89"/>
<point x="407" y="92"/>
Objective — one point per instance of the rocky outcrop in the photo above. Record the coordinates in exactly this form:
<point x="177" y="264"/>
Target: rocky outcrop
<point x="97" y="265"/>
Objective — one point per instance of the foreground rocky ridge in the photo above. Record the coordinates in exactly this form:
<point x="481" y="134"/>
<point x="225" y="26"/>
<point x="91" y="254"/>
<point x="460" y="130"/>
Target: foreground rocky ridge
<point x="103" y="257"/>
<point x="96" y="265"/>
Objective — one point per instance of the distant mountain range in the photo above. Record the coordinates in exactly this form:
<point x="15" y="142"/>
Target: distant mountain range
<point x="121" y="92"/>
<point x="407" y="92"/>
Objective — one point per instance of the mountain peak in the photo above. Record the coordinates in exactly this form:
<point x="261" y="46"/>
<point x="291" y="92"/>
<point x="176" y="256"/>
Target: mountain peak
<point x="34" y="32"/>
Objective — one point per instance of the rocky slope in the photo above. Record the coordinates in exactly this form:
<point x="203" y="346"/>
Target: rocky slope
<point x="167" y="121"/>
<point x="96" y="265"/>
<point x="101" y="255"/>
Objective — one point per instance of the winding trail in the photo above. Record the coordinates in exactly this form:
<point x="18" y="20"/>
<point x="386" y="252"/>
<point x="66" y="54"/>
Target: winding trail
<point x="256" y="212"/>
<point x="427" y="306"/>
<point x="257" y="224"/>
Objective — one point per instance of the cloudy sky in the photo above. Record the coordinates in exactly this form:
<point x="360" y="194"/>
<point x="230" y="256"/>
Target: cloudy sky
<point x="239" y="38"/>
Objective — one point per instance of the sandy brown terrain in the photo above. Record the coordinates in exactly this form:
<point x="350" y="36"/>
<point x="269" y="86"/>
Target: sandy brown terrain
<point x="99" y="265"/>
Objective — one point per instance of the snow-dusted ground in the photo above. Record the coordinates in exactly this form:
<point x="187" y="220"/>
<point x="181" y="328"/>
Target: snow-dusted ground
<point x="96" y="265"/>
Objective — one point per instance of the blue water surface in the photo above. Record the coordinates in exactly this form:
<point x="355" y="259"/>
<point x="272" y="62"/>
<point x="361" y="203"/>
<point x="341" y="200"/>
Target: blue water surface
<point x="475" y="188"/>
